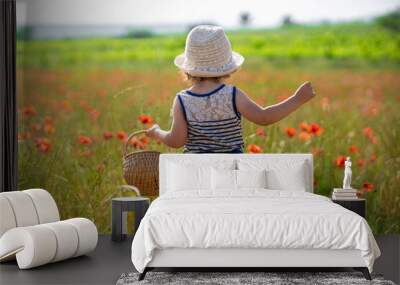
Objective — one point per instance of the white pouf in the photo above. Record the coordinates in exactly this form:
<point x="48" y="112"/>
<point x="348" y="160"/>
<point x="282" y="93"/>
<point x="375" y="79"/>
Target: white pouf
<point x="31" y="230"/>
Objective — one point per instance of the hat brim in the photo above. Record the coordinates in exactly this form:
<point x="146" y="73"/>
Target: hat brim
<point x="235" y="62"/>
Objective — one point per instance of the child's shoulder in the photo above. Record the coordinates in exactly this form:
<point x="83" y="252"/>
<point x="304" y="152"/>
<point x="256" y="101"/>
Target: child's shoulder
<point x="223" y="88"/>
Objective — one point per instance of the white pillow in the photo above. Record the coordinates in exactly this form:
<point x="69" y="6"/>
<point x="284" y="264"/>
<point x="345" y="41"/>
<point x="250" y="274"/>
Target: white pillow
<point x="293" y="180"/>
<point x="188" y="173"/>
<point x="251" y="178"/>
<point x="281" y="175"/>
<point x="185" y="177"/>
<point x="223" y="179"/>
<point x="228" y="179"/>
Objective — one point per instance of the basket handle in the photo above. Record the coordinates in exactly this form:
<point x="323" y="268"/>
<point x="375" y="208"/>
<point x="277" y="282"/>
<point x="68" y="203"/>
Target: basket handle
<point x="130" y="137"/>
<point x="130" y="187"/>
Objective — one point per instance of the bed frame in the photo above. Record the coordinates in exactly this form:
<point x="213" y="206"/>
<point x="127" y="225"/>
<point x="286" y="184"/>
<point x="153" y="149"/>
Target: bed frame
<point x="248" y="258"/>
<point x="243" y="259"/>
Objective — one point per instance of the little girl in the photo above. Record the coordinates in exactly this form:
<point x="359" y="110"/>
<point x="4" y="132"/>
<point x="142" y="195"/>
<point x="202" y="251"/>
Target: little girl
<point x="207" y="116"/>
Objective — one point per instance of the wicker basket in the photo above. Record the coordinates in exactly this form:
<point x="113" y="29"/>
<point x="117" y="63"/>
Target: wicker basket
<point x="141" y="168"/>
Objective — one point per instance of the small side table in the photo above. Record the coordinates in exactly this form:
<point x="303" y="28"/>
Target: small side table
<point x="356" y="205"/>
<point x="120" y="207"/>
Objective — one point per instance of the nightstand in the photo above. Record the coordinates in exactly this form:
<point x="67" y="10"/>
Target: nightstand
<point x="356" y="205"/>
<point x="120" y="207"/>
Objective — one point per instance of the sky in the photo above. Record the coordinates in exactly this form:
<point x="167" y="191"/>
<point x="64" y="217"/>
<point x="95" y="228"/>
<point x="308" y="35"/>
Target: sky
<point x="174" y="12"/>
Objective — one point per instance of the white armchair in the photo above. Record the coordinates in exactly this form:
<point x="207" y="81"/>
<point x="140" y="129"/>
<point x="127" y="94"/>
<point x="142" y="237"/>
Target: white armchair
<point x="31" y="230"/>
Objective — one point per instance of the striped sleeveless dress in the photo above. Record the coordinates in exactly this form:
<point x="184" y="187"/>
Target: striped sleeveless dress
<point x="214" y="124"/>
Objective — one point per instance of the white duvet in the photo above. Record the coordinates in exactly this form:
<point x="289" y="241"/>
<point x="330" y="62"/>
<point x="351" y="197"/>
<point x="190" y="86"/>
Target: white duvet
<point x="250" y="219"/>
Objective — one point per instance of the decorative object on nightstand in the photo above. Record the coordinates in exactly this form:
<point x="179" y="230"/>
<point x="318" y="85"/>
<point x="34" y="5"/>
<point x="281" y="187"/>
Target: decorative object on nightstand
<point x="120" y="207"/>
<point x="347" y="196"/>
<point x="347" y="174"/>
<point x="347" y="192"/>
<point x="344" y="194"/>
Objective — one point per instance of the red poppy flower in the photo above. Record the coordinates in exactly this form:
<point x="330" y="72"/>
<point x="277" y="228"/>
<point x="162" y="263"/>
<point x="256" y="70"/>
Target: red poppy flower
<point x="84" y="140"/>
<point x="253" y="148"/>
<point x="145" y="119"/>
<point x="290" y="132"/>
<point x="353" y="149"/>
<point x="260" y="132"/>
<point x="107" y="135"/>
<point x="368" y="132"/>
<point x="136" y="143"/>
<point x="48" y="120"/>
<point x="43" y="145"/>
<point x="49" y="129"/>
<point x="145" y="140"/>
<point x="24" y="136"/>
<point x="305" y="127"/>
<point x="94" y="114"/>
<point x="373" y="157"/>
<point x="121" y="135"/>
<point x="316" y="129"/>
<point x="368" y="186"/>
<point x="304" y="136"/>
<point x="361" y="162"/>
<point x="373" y="139"/>
<point x="49" y="125"/>
<point x="340" y="161"/>
<point x="29" y="111"/>
<point x="36" y="127"/>
<point x="66" y="106"/>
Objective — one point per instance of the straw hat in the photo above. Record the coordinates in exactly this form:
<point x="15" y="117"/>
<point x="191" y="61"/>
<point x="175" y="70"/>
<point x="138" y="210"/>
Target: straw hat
<point x="208" y="53"/>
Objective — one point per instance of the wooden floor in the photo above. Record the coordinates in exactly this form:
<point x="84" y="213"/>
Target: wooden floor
<point x="111" y="259"/>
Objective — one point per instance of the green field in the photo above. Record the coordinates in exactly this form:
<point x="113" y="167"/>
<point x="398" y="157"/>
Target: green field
<point x="79" y="98"/>
<point x="338" y="42"/>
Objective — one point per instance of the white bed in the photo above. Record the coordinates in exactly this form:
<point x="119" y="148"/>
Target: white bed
<point x="248" y="227"/>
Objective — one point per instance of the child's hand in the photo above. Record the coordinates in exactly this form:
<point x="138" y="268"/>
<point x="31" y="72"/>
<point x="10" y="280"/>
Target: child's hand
<point x="306" y="92"/>
<point x="152" y="132"/>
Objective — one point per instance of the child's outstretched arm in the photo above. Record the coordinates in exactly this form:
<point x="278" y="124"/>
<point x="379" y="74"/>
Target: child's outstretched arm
<point x="176" y="137"/>
<point x="274" y="113"/>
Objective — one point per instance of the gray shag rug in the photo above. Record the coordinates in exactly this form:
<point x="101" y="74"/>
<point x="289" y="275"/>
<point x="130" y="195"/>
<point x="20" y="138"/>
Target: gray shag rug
<point x="242" y="278"/>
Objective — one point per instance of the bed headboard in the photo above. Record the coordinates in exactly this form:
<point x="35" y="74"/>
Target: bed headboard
<point x="208" y="159"/>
